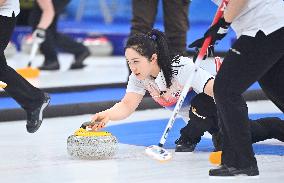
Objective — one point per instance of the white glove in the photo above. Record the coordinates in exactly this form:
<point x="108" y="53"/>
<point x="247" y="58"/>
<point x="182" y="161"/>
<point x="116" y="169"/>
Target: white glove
<point x="38" y="35"/>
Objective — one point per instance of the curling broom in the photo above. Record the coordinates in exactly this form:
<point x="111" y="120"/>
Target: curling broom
<point x="29" y="71"/>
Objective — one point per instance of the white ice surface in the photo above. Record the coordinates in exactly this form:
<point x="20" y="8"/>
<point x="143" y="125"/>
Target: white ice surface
<point x="42" y="158"/>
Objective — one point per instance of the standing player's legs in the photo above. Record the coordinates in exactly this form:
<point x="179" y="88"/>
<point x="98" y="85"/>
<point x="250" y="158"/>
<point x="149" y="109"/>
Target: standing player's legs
<point x="17" y="87"/>
<point x="244" y="64"/>
<point x="176" y="24"/>
<point x="29" y="97"/>
<point x="232" y="109"/>
<point x="143" y="15"/>
<point x="272" y="83"/>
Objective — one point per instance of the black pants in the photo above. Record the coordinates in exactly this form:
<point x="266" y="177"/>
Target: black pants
<point x="18" y="88"/>
<point x="55" y="40"/>
<point x="260" y="129"/>
<point x="176" y="22"/>
<point x="203" y="117"/>
<point x="251" y="59"/>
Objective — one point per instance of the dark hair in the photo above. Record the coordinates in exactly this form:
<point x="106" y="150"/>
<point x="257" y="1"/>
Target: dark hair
<point x="148" y="44"/>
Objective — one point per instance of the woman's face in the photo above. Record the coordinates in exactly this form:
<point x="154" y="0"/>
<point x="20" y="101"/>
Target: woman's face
<point x="139" y="65"/>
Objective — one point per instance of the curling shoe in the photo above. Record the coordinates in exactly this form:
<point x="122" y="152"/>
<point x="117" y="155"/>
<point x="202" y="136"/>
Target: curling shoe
<point x="50" y="66"/>
<point x="34" y="118"/>
<point x="79" y="59"/>
<point x="223" y="170"/>
<point x="183" y="145"/>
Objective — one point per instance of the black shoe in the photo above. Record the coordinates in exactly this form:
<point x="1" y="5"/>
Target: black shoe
<point x="34" y="118"/>
<point x="51" y="66"/>
<point x="223" y="170"/>
<point x="79" y="59"/>
<point x="183" y="145"/>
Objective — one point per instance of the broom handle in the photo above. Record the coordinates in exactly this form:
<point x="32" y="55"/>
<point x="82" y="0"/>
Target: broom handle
<point x="34" y="49"/>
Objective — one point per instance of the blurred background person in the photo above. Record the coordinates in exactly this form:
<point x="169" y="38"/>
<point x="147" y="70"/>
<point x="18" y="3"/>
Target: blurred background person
<point x="43" y="19"/>
<point x="26" y="7"/>
<point x="175" y="16"/>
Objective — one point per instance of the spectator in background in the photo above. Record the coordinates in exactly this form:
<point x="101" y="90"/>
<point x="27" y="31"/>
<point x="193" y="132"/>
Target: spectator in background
<point x="30" y="98"/>
<point x="26" y="7"/>
<point x="43" y="19"/>
<point x="176" y="21"/>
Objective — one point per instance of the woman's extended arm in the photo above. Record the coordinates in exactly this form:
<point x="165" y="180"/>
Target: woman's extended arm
<point x="119" y="111"/>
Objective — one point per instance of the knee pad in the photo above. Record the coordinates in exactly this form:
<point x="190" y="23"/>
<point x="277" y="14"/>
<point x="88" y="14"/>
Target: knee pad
<point x="203" y="117"/>
<point x="202" y="106"/>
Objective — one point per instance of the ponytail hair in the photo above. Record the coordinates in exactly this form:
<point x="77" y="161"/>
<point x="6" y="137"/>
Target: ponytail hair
<point x="148" y="44"/>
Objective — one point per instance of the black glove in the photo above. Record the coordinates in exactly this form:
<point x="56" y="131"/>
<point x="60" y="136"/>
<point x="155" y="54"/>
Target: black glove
<point x="218" y="31"/>
<point x="209" y="52"/>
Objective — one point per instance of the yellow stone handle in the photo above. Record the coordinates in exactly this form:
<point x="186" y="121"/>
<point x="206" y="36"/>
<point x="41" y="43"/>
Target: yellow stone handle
<point x="86" y="133"/>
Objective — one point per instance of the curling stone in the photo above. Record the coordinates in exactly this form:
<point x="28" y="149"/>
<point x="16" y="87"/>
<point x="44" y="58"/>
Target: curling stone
<point x="100" y="46"/>
<point x="11" y="50"/>
<point x="85" y="144"/>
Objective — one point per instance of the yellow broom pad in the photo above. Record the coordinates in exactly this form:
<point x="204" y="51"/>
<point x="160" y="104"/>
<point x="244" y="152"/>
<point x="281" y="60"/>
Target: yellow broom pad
<point x="215" y="157"/>
<point x="29" y="72"/>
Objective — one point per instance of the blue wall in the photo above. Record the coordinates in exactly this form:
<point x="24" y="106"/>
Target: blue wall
<point x="200" y="10"/>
